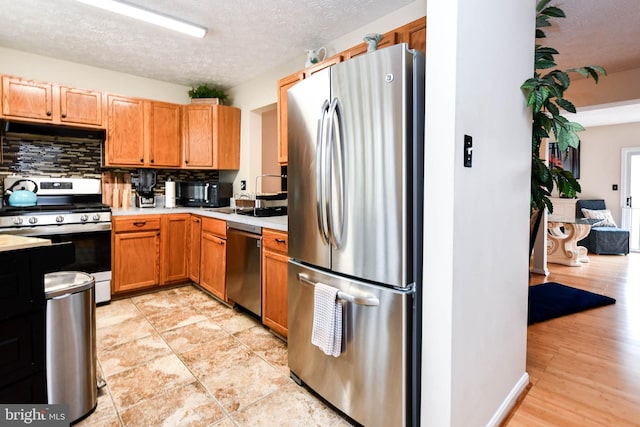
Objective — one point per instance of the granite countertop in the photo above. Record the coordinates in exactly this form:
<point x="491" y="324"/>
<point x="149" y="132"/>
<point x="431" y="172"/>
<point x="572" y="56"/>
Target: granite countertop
<point x="275" y="222"/>
<point x="10" y="242"/>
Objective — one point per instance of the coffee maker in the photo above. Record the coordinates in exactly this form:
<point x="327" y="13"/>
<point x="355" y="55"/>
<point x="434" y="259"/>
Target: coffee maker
<point x="146" y="182"/>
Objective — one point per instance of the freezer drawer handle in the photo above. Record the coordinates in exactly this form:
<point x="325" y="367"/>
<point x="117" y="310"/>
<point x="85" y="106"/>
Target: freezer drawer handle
<point x="366" y="300"/>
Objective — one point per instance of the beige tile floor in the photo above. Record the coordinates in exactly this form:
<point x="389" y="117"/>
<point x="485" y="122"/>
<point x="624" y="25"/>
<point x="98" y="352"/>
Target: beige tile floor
<point x="180" y="358"/>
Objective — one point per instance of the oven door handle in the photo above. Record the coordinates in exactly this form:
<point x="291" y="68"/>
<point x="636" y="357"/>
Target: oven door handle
<point x="52" y="230"/>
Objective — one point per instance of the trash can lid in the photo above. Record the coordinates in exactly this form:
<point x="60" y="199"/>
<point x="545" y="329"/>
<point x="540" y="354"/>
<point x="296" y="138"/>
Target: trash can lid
<point x="66" y="282"/>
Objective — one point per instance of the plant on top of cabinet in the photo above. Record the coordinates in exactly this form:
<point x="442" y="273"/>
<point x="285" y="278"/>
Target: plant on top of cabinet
<point x="204" y="91"/>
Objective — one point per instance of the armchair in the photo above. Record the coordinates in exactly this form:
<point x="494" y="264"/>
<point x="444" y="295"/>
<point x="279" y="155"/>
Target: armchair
<point x="602" y="239"/>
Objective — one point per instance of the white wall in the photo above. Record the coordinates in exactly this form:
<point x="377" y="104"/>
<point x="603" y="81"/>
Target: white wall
<point x="30" y="66"/>
<point x="600" y="153"/>
<point x="476" y="232"/>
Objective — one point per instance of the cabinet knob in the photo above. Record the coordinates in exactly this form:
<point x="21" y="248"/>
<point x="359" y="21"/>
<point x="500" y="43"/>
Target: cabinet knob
<point x="141" y="160"/>
<point x="186" y="161"/>
<point x="151" y="160"/>
<point x="280" y="241"/>
<point x="64" y="116"/>
<point x="48" y="113"/>
<point x="140" y="223"/>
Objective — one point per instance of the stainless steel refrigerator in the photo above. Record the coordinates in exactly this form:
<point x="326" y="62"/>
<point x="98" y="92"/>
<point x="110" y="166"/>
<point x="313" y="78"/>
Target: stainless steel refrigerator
<point x="356" y="134"/>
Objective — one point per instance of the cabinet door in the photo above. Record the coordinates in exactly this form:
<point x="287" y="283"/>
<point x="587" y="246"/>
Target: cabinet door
<point x="125" y="132"/>
<point x="283" y="86"/>
<point x="274" y="291"/>
<point x="195" y="232"/>
<point x="80" y="106"/>
<point x="163" y="134"/>
<point x="415" y="33"/>
<point x="197" y="136"/>
<point x="174" y="256"/>
<point x="27" y="99"/>
<point x="136" y="260"/>
<point x="213" y="265"/>
<point x="226" y="141"/>
<point x="388" y="39"/>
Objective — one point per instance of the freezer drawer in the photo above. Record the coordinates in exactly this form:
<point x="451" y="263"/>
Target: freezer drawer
<point x="369" y="381"/>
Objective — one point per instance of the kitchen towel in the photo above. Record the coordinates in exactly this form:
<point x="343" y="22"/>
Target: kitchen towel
<point x="327" y="320"/>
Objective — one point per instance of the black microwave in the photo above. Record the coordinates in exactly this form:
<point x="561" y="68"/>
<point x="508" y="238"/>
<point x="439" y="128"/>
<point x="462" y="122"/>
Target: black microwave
<point x="203" y="193"/>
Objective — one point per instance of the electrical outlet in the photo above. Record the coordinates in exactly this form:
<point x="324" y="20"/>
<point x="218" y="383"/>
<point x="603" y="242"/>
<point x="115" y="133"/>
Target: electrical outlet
<point x="243" y="185"/>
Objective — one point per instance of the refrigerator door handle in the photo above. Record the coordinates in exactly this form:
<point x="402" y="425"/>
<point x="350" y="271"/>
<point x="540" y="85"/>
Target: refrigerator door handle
<point x="320" y="179"/>
<point x="336" y="134"/>
<point x="367" y="300"/>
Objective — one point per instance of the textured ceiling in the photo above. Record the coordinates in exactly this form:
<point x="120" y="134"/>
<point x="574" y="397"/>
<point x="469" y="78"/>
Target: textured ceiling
<point x="245" y="38"/>
<point x="597" y="32"/>
<point x="248" y="37"/>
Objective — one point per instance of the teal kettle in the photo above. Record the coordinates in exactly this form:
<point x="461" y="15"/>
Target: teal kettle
<point x="20" y="196"/>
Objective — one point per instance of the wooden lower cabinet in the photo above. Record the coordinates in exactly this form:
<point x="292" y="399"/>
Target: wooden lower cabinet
<point x="195" y="236"/>
<point x="274" y="280"/>
<point x="135" y="252"/>
<point x="213" y="257"/>
<point x="174" y="257"/>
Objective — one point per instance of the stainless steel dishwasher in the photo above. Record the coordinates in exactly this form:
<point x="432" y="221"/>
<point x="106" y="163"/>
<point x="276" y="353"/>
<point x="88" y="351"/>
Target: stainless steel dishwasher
<point x="243" y="266"/>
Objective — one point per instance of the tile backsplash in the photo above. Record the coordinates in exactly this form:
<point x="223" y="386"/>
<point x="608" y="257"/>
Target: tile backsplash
<point x="75" y="159"/>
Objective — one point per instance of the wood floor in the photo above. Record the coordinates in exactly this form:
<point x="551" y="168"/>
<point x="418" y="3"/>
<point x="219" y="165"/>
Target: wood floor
<point x="585" y="368"/>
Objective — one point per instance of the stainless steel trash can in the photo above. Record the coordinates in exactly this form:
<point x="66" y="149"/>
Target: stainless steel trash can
<point x="71" y="341"/>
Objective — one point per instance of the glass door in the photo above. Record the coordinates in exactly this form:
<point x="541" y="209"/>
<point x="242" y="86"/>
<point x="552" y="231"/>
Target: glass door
<point x="631" y="195"/>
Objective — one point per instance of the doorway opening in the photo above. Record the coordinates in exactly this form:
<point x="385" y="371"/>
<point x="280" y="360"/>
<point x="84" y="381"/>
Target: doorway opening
<point x="631" y="195"/>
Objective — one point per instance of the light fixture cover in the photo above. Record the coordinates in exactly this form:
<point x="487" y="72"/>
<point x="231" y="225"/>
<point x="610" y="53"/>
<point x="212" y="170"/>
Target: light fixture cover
<point x="149" y="16"/>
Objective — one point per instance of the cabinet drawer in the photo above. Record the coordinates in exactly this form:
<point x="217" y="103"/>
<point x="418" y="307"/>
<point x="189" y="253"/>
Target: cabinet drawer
<point x="214" y="226"/>
<point x="276" y="241"/>
<point x="136" y="223"/>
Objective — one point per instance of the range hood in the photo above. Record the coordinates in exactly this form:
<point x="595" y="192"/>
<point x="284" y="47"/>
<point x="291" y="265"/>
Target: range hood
<point x="46" y="132"/>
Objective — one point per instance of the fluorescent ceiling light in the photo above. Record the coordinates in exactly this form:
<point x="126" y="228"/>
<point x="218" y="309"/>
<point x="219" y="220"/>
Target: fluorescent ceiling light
<point x="148" y="16"/>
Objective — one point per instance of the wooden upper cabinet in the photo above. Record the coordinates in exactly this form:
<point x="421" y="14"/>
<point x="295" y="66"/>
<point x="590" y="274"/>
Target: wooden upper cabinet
<point x="27" y="99"/>
<point x="125" y="131"/>
<point x="414" y="33"/>
<point x="162" y="134"/>
<point x="335" y="59"/>
<point x="78" y="106"/>
<point x="388" y="39"/>
<point x="142" y="133"/>
<point x="211" y="136"/>
<point x="283" y="86"/>
<point x="45" y="102"/>
<point x="197" y="136"/>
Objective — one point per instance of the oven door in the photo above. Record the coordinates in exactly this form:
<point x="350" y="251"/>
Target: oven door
<point x="92" y="243"/>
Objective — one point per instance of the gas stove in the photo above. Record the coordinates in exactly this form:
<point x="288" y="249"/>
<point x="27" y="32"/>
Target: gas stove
<point x="66" y="210"/>
<point x="60" y="201"/>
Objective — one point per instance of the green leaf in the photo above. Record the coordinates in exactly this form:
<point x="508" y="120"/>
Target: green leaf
<point x="567" y="105"/>
<point x="544" y="64"/>
<point x="554" y="12"/>
<point x="580" y="70"/>
<point x="540" y="34"/>
<point x="541" y="5"/>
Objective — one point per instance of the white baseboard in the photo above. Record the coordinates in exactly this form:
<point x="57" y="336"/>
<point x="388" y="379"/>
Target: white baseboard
<point x="509" y="402"/>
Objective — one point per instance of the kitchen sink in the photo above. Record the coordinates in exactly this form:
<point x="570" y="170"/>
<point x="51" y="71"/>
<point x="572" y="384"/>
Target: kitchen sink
<point x="266" y="211"/>
<point x="225" y="210"/>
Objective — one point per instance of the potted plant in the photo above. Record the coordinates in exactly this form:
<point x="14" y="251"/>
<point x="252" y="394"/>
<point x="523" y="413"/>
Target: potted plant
<point x="206" y="94"/>
<point x="545" y="95"/>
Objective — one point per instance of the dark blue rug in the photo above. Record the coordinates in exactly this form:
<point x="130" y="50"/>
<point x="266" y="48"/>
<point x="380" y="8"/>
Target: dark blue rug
<point x="551" y="300"/>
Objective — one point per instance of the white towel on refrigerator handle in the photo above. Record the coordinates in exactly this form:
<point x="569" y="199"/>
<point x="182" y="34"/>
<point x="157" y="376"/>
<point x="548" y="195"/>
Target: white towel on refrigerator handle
<point x="327" y="320"/>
